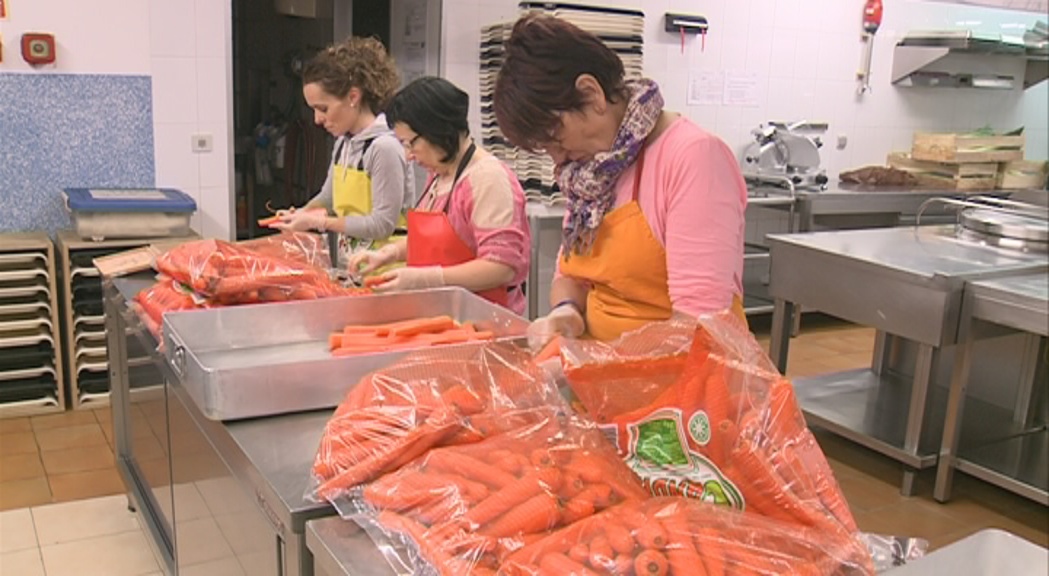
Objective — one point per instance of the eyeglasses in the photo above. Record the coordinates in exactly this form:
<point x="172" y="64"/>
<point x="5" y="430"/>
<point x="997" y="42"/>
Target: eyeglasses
<point x="410" y="143"/>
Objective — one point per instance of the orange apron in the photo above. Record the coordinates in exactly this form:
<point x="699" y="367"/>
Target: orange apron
<point x="627" y="271"/>
<point x="432" y="240"/>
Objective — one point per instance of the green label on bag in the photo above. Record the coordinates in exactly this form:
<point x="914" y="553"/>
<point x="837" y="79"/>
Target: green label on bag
<point x="660" y="454"/>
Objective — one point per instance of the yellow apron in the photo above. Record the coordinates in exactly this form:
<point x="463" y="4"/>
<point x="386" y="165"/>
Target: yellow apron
<point x="352" y="196"/>
<point x="627" y="269"/>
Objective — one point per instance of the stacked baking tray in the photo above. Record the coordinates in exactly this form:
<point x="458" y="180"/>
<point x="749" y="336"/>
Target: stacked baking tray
<point x="30" y="365"/>
<point x="622" y="30"/>
<point x="85" y="322"/>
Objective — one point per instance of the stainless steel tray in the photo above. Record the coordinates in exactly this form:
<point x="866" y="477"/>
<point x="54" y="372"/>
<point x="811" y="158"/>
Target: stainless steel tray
<point x="248" y="361"/>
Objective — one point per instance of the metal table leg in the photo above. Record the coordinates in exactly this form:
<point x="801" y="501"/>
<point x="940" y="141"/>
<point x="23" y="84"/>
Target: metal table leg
<point x="916" y="411"/>
<point x="952" y="426"/>
<point x="782" y="323"/>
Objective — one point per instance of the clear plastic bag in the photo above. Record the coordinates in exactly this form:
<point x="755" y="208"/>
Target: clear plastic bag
<point x="720" y="425"/>
<point x="227" y="273"/>
<point x="429" y="398"/>
<point x="680" y="537"/>
<point x="465" y="509"/>
<point x="301" y="247"/>
<point x="166" y="295"/>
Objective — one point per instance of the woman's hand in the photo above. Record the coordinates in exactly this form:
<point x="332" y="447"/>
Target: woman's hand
<point x="302" y="220"/>
<point x="563" y="320"/>
<point x="364" y="263"/>
<point x="410" y="278"/>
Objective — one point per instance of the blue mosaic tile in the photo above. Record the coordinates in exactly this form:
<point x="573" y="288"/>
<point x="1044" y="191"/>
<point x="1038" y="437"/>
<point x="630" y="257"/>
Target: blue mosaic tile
<point x="70" y="130"/>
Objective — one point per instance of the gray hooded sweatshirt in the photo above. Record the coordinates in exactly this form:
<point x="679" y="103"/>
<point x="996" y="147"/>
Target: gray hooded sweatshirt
<point x="392" y="178"/>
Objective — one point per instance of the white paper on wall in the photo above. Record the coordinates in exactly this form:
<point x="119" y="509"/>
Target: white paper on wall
<point x="742" y="89"/>
<point x="705" y="88"/>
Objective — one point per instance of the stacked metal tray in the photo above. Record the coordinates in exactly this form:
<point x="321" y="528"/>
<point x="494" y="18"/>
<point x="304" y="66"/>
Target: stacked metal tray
<point x="84" y="321"/>
<point x="30" y="364"/>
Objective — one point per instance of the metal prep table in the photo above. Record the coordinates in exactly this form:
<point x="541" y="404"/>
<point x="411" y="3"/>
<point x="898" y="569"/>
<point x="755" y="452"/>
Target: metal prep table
<point x="341" y="548"/>
<point x="219" y="496"/>
<point x="1018" y="463"/>
<point x="545" y="222"/>
<point x="907" y="283"/>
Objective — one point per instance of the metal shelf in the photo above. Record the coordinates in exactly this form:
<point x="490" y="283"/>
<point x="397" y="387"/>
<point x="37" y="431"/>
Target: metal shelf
<point x="866" y="408"/>
<point x="1019" y="464"/>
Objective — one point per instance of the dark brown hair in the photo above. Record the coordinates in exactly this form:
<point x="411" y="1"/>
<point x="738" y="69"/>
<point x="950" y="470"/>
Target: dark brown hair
<point x="543" y="58"/>
<point x="360" y="62"/>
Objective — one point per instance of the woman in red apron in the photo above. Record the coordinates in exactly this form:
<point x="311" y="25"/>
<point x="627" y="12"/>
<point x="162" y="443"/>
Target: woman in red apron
<point x="469" y="228"/>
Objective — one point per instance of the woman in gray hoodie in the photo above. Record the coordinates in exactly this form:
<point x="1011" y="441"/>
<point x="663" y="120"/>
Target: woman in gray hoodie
<point x="370" y="182"/>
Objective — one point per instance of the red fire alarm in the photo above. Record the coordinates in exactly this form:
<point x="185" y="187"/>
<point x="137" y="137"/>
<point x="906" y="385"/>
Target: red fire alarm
<point x="38" y="48"/>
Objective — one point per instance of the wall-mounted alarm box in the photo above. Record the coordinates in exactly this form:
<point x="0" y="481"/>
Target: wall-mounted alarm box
<point x="38" y="48"/>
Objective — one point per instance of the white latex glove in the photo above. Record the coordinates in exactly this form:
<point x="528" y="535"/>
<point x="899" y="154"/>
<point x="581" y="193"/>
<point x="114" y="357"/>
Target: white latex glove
<point x="411" y="278"/>
<point x="302" y="220"/>
<point x="364" y="263"/>
<point x="563" y="320"/>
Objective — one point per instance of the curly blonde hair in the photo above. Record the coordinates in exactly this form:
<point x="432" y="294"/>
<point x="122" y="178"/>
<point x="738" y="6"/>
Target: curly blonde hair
<point x="355" y="62"/>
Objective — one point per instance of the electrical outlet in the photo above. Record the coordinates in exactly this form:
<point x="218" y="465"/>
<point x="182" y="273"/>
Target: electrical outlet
<point x="201" y="142"/>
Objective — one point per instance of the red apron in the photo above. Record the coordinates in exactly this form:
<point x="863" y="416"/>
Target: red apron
<point x="433" y="242"/>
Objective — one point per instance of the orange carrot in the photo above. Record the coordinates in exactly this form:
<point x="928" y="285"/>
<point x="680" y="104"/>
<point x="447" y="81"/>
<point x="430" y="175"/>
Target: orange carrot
<point x="580" y="552"/>
<point x="449" y="460"/>
<point x="445" y="564"/>
<point x="465" y="401"/>
<point x="576" y="509"/>
<point x="373" y="281"/>
<point x="650" y="563"/>
<point x="513" y="494"/>
<point x="423" y="326"/>
<point x="652" y="535"/>
<point x="624" y="564"/>
<point x="619" y="537"/>
<point x="267" y="222"/>
<point x="561" y="565"/>
<point x="537" y="514"/>
<point x="602" y="557"/>
<point x="551" y="350"/>
<point x="334" y="340"/>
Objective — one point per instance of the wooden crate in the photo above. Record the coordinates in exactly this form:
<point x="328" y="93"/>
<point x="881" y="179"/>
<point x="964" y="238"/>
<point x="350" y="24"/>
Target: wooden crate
<point x="964" y="148"/>
<point x="1023" y="174"/>
<point x="951" y="176"/>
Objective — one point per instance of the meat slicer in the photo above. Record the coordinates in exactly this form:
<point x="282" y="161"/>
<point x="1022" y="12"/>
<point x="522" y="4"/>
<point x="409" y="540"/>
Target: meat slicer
<point x="786" y="154"/>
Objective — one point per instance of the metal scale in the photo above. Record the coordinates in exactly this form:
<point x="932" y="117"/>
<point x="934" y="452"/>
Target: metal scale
<point x="786" y="155"/>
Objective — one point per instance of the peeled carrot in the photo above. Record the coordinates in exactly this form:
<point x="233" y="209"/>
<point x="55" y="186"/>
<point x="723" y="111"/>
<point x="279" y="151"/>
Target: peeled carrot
<point x="267" y="222"/>
<point x="423" y="326"/>
<point x="551" y="350"/>
<point x="373" y="281"/>
<point x="458" y="463"/>
<point x="513" y="494"/>
<point x="334" y="340"/>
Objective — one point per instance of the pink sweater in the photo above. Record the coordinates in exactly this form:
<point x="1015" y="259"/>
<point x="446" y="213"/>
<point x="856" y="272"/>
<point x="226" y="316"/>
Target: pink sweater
<point x="487" y="211"/>
<point x="693" y="196"/>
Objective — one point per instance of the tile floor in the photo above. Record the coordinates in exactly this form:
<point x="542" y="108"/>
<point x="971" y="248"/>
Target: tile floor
<point x="64" y="512"/>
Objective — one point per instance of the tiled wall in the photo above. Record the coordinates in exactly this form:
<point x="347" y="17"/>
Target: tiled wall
<point x="804" y="54"/>
<point x="183" y="46"/>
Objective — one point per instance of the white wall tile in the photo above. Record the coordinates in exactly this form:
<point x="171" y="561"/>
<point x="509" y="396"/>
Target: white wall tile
<point x="177" y="165"/>
<point x="210" y="24"/>
<point x="172" y="28"/>
<point x="217" y="211"/>
<point x="212" y="88"/>
<point x="806" y="56"/>
<point x="174" y="89"/>
<point x="215" y="169"/>
<point x="759" y="51"/>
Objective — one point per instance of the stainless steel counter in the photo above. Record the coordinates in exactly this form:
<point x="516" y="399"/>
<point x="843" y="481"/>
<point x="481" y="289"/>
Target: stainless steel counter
<point x="212" y="494"/>
<point x="341" y="548"/>
<point x="907" y="283"/>
<point x="1019" y="462"/>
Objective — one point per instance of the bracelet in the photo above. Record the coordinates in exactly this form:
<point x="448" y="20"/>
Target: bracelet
<point x="573" y="304"/>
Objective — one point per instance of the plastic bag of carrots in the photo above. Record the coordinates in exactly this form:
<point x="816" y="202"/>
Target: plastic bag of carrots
<point x="465" y="509"/>
<point x="165" y="296"/>
<point x="719" y="425"/>
<point x="227" y="273"/>
<point x="677" y="537"/>
<point x="429" y="398"/>
<point x="301" y="247"/>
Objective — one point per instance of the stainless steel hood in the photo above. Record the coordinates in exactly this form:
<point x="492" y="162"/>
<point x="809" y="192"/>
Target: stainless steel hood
<point x="968" y="59"/>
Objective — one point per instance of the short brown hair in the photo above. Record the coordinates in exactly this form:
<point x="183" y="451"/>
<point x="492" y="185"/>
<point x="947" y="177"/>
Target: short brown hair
<point x="360" y="62"/>
<point x="543" y="58"/>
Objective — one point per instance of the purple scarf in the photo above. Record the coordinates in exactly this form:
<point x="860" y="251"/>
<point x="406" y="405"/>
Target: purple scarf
<point x="589" y="186"/>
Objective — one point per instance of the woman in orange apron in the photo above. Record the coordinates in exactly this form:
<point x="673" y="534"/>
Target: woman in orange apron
<point x="370" y="181"/>
<point x="469" y="228"/>
<point x="655" y="205"/>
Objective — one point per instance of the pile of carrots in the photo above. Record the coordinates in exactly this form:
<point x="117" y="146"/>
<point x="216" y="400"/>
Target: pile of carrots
<point x="739" y="421"/>
<point x="467" y="508"/>
<point x="226" y="273"/>
<point x="405" y="335"/>
<point x="678" y="537"/>
<point x="430" y="398"/>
